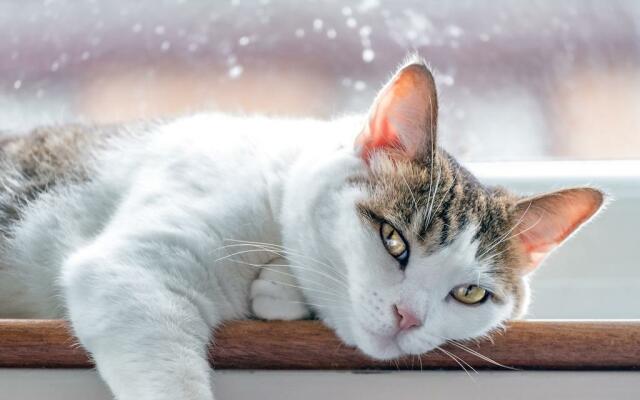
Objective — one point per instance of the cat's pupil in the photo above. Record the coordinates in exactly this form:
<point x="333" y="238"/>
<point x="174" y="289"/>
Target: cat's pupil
<point x="394" y="243"/>
<point x="470" y="294"/>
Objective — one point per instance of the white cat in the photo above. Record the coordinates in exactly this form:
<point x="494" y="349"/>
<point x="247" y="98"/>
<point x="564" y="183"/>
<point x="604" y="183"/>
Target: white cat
<point x="147" y="237"/>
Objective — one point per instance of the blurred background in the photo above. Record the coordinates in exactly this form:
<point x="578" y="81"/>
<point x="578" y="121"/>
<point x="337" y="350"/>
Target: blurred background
<point x="542" y="84"/>
<point x="535" y="80"/>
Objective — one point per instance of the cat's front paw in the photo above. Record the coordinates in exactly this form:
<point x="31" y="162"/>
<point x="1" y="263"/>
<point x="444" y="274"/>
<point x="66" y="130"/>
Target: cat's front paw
<point x="275" y="297"/>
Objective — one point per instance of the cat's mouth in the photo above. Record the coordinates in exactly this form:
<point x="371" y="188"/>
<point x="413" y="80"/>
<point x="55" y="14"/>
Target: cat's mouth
<point x="389" y="346"/>
<point x="382" y="347"/>
<point x="375" y="344"/>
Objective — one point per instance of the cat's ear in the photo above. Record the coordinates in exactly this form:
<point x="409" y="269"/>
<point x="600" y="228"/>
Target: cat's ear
<point x="545" y="221"/>
<point x="403" y="118"/>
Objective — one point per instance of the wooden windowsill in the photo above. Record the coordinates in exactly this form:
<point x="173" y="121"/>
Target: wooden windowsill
<point x="309" y="345"/>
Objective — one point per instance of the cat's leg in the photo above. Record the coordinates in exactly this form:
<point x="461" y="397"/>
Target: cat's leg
<point x="146" y="328"/>
<point x="275" y="294"/>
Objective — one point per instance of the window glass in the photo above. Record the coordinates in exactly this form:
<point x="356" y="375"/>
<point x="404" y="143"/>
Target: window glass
<point x="518" y="80"/>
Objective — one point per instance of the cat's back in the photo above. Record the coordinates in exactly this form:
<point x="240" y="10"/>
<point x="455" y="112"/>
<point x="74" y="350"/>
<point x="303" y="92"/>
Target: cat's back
<point x="60" y="187"/>
<point x="32" y="165"/>
<point x="37" y="161"/>
<point x="203" y="147"/>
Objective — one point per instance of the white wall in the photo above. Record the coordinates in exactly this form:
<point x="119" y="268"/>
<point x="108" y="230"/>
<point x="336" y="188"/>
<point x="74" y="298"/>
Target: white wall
<point x="262" y="385"/>
<point x="597" y="273"/>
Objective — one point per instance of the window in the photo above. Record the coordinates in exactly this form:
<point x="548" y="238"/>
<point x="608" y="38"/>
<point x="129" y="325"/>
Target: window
<point x="552" y="80"/>
<point x="533" y="96"/>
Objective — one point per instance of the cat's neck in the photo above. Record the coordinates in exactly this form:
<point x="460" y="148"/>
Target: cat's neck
<point x="268" y="157"/>
<point x="302" y="161"/>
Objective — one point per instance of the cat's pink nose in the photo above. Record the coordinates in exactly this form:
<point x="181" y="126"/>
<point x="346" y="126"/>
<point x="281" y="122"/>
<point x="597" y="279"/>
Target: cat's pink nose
<point x="406" y="318"/>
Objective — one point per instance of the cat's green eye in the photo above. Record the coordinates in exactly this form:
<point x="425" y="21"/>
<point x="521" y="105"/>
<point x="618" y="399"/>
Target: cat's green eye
<point x="394" y="243"/>
<point x="470" y="294"/>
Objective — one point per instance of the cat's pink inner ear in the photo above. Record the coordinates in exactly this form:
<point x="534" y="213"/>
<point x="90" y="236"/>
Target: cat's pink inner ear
<point x="403" y="118"/>
<point x="545" y="221"/>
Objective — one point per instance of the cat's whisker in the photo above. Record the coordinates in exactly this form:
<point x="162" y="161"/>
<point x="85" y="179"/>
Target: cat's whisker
<point x="479" y="355"/>
<point x="435" y="193"/>
<point x="294" y="266"/>
<point x="473" y="352"/>
<point x="503" y="237"/>
<point x="415" y="202"/>
<point x="282" y="249"/>
<point x="494" y="255"/>
<point x="444" y="196"/>
<point x="519" y="221"/>
<point x="238" y="253"/>
<point x="332" y="293"/>
<point x="285" y="249"/>
<point x="432" y="157"/>
<point x="340" y="282"/>
<point x="513" y="236"/>
<point x="458" y="361"/>
<point x="333" y="298"/>
<point x="318" y="305"/>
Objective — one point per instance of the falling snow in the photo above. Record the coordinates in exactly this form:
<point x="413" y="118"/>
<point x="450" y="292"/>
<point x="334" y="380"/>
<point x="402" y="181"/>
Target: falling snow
<point x="235" y="71"/>
<point x="454" y="30"/>
<point x="145" y="44"/>
<point x="359" y="85"/>
<point x="446" y="80"/>
<point x="365" y="31"/>
<point x="368" y="55"/>
<point x="368" y="5"/>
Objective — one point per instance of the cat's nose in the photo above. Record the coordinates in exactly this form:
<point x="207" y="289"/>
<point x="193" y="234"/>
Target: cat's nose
<point x="406" y="318"/>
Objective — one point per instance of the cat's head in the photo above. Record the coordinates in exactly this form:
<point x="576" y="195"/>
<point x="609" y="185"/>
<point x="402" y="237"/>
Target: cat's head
<point x="408" y="250"/>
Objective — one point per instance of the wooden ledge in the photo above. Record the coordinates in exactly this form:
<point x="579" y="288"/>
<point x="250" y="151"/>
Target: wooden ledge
<point x="309" y="345"/>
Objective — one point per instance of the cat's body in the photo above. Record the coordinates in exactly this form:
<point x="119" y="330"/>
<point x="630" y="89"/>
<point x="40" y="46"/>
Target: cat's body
<point x="146" y="238"/>
<point x="228" y="187"/>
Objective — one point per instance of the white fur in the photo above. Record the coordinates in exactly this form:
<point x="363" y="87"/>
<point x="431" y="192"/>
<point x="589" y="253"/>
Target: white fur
<point x="144" y="260"/>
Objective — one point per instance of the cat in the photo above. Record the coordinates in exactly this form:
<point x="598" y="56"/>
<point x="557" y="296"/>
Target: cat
<point x="148" y="236"/>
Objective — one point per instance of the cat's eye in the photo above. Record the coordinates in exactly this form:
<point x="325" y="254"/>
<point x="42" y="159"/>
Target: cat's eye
<point x="470" y="294"/>
<point x="394" y="243"/>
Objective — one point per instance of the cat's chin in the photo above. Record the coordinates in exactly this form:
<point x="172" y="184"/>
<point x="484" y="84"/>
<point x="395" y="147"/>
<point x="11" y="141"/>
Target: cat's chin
<point x="388" y="347"/>
<point x="411" y="344"/>
<point x="380" y="347"/>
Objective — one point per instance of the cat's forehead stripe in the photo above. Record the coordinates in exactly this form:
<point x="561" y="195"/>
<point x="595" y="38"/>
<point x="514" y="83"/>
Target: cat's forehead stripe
<point x="434" y="203"/>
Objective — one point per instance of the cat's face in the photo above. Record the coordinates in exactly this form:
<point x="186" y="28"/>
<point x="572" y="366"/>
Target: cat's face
<point x="429" y="267"/>
<point x="410" y="250"/>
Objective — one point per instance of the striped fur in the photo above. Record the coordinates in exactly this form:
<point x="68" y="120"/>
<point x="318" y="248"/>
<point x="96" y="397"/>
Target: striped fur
<point x="434" y="200"/>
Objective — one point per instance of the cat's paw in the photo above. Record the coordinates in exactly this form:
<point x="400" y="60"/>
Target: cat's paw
<point x="274" y="296"/>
